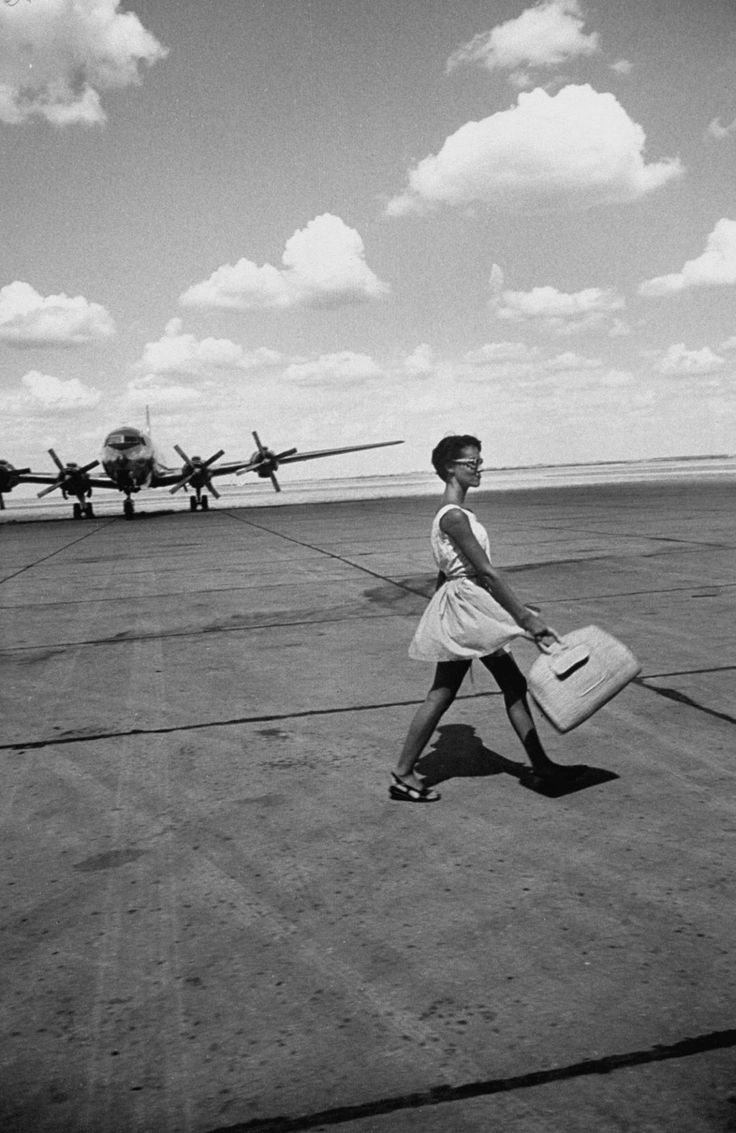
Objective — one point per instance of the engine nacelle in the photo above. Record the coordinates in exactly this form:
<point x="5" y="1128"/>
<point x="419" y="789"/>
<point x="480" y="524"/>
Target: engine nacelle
<point x="10" y="476"/>
<point x="269" y="464"/>
<point x="75" y="482"/>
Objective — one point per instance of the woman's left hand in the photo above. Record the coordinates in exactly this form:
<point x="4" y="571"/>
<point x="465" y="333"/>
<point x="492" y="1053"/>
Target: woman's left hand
<point x="536" y="626"/>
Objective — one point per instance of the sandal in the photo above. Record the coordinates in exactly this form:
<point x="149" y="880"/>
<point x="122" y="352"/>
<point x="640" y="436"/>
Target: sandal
<point x="402" y="792"/>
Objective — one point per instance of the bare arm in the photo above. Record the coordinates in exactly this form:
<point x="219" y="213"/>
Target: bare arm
<point x="455" y="524"/>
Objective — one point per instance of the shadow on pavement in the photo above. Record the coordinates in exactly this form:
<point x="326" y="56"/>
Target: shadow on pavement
<point x="458" y="753"/>
<point x="555" y="789"/>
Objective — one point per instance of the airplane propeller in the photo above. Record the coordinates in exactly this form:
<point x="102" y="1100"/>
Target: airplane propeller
<point x="197" y="467"/>
<point x="264" y="462"/>
<point x="72" y="479"/>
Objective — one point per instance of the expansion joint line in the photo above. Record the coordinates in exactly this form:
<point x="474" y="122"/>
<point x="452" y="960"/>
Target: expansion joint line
<point x="307" y="713"/>
<point x="639" y="535"/>
<point x="52" y="554"/>
<point x="235" y="722"/>
<point x="329" y="555"/>
<point x="440" y="1095"/>
<point x="683" y="698"/>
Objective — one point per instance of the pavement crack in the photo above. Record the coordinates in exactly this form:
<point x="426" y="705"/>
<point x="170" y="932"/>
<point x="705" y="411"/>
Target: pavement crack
<point x="691" y="672"/>
<point x="239" y="721"/>
<point x="683" y="698"/>
<point x="441" y="1095"/>
<point x="128" y="639"/>
<point x="53" y="554"/>
<point x="331" y="555"/>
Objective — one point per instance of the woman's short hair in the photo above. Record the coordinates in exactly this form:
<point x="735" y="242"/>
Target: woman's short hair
<point x="449" y="449"/>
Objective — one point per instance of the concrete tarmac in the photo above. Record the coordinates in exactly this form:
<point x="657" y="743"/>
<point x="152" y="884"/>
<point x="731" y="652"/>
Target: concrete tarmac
<point x="213" y="918"/>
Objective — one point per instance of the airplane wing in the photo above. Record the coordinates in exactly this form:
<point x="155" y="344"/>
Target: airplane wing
<point x="252" y="463"/>
<point x="166" y="478"/>
<point x="293" y="455"/>
<point x="51" y="478"/>
<point x="334" y="451"/>
<point x="265" y="462"/>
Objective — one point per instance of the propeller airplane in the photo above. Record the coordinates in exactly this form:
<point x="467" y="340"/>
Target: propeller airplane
<point x="130" y="464"/>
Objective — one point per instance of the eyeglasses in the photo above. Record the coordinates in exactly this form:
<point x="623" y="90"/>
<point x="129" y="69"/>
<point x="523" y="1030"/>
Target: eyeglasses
<point x="475" y="465"/>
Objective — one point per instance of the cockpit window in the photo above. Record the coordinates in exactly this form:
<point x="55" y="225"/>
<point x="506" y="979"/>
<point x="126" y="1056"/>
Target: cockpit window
<point x="123" y="440"/>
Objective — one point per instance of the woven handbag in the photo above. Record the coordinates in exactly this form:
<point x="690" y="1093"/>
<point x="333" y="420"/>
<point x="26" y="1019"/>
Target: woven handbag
<point x="578" y="673"/>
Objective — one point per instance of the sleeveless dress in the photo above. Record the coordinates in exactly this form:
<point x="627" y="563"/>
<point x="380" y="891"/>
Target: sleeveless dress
<point x="462" y="619"/>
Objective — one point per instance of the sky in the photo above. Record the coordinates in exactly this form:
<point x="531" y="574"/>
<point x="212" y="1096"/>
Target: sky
<point x="340" y="221"/>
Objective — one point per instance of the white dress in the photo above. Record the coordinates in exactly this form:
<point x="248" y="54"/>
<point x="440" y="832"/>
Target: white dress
<point x="462" y="620"/>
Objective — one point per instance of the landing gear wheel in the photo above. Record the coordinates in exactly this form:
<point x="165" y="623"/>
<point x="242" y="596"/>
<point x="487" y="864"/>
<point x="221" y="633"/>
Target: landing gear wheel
<point x="89" y="512"/>
<point x="192" y="503"/>
<point x="77" y="511"/>
<point x="128" y="509"/>
<point x="205" y="503"/>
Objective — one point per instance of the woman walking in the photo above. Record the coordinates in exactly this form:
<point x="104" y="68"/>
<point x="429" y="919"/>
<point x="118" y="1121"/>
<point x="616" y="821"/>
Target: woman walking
<point x="474" y="613"/>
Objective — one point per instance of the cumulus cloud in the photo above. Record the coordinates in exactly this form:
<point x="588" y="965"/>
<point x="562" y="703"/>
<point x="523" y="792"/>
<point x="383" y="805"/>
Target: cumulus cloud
<point x="716" y="267"/>
<point x="717" y="130"/>
<point x="28" y="319"/>
<point x="495" y="280"/>
<point x="558" y="311"/>
<point x="343" y="368"/>
<point x="158" y="393"/>
<point x="183" y="354"/>
<point x="323" y="266"/>
<point x="569" y="361"/>
<point x="53" y="394"/>
<point x="548" y="302"/>
<point x="678" y="361"/>
<point x="622" y="67"/>
<point x="495" y="352"/>
<point x="521" y="80"/>
<point x="617" y="378"/>
<point x="545" y="35"/>
<point x="573" y="150"/>
<point x="421" y="362"/>
<point x="58" y="56"/>
<point x="526" y="369"/>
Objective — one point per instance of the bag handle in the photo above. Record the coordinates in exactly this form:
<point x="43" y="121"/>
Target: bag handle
<point x="564" y="656"/>
<point x="553" y="632"/>
<point x="543" y="648"/>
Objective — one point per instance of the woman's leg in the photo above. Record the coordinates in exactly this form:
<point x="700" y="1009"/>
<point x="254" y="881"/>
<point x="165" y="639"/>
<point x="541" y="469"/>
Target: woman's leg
<point x="512" y="682"/>
<point x="447" y="680"/>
